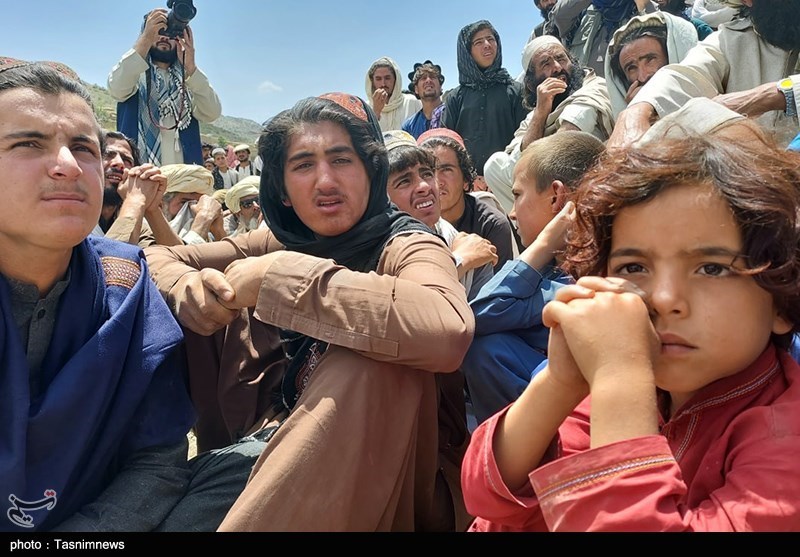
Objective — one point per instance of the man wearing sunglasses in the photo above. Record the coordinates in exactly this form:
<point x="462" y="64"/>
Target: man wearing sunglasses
<point x="245" y="210"/>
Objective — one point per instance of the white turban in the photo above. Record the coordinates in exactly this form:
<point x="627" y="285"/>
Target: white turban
<point x="243" y="188"/>
<point x="188" y="178"/>
<point x="534" y="46"/>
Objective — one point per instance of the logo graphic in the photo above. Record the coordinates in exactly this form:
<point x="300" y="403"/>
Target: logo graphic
<point x="17" y="515"/>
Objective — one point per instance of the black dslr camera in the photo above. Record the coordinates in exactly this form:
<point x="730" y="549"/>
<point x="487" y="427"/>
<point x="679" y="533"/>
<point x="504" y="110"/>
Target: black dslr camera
<point x="180" y="14"/>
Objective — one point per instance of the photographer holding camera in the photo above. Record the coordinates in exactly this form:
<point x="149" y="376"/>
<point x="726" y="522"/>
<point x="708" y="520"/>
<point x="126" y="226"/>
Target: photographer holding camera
<point x="162" y="95"/>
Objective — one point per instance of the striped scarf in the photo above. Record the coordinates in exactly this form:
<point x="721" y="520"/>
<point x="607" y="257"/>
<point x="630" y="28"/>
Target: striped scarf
<point x="165" y="99"/>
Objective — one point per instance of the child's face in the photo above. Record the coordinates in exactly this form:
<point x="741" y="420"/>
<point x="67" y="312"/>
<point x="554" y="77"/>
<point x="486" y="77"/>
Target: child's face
<point x="532" y="209"/>
<point x="679" y="248"/>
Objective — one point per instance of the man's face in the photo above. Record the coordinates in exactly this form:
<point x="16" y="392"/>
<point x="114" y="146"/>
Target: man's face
<point x="777" y="22"/>
<point x="428" y="87"/>
<point x="176" y="203"/>
<point x="249" y="211"/>
<point x="414" y="191"/>
<point x="484" y="48"/>
<point x="52" y="171"/>
<point x="242" y="155"/>
<point x="449" y="178"/>
<point x="553" y="61"/>
<point x="221" y="161"/>
<point x="116" y="159"/>
<point x="164" y="49"/>
<point x="383" y="78"/>
<point x="641" y="59"/>
<point x="206" y="152"/>
<point x="545" y="7"/>
<point x="326" y="182"/>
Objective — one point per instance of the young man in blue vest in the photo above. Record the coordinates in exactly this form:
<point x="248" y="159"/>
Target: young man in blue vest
<point x="162" y="95"/>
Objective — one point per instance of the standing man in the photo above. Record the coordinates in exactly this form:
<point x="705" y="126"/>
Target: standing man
<point x="244" y="167"/>
<point x="426" y="82"/>
<point x="486" y="108"/>
<point x="224" y="176"/>
<point x="162" y="95"/>
<point x="384" y="87"/>
<point x="546" y="27"/>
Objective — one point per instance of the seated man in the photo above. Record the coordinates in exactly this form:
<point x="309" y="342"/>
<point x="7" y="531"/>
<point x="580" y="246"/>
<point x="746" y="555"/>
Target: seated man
<point x="510" y="340"/>
<point x="359" y="293"/>
<point x="639" y="49"/>
<point x="471" y="212"/>
<point x="120" y="154"/>
<point x="95" y="411"/>
<point x="193" y="214"/>
<point x="242" y="202"/>
<point x="562" y="95"/>
<point x="412" y="187"/>
<point x="750" y="65"/>
<point x="132" y="197"/>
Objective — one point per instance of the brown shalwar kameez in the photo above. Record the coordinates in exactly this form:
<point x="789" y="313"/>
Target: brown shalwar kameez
<point x="375" y="441"/>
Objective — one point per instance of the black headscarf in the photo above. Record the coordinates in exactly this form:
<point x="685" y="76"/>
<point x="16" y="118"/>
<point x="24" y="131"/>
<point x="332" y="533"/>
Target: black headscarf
<point x="469" y="73"/>
<point x="358" y="249"/>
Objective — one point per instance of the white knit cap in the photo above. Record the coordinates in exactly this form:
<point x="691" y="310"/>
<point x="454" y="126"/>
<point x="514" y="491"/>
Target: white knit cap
<point x="534" y="46"/>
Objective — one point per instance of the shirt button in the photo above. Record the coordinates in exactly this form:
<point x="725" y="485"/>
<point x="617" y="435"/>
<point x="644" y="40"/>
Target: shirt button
<point x="41" y="314"/>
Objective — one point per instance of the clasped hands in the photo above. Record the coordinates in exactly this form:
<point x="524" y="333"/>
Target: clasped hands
<point x="208" y="300"/>
<point x="600" y="330"/>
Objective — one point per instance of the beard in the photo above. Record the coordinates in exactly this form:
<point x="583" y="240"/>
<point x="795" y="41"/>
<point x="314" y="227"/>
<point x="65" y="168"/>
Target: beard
<point x="546" y="12"/>
<point x="251" y="223"/>
<point x="574" y="82"/>
<point x="111" y="196"/>
<point x="165" y="56"/>
<point x="773" y="20"/>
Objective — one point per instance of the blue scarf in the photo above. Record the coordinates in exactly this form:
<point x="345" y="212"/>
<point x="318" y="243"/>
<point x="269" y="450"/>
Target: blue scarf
<point x="112" y="384"/>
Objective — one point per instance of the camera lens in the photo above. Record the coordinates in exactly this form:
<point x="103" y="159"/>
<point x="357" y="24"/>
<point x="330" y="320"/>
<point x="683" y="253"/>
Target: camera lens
<point x="184" y="12"/>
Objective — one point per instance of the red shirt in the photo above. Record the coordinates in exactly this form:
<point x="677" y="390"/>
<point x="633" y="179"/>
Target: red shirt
<point x="726" y="461"/>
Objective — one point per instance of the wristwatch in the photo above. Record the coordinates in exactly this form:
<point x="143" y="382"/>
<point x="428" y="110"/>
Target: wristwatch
<point x="786" y="86"/>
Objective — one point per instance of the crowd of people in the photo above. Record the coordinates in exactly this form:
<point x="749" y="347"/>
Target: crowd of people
<point x="563" y="301"/>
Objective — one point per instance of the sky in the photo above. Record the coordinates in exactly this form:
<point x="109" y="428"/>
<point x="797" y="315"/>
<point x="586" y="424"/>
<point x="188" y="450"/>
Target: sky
<point x="262" y="56"/>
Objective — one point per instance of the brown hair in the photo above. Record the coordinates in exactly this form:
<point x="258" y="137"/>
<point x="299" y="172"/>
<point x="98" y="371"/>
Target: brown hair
<point x="564" y="156"/>
<point x="759" y="181"/>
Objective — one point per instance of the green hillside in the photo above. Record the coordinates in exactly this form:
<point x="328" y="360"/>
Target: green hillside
<point x="226" y="130"/>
